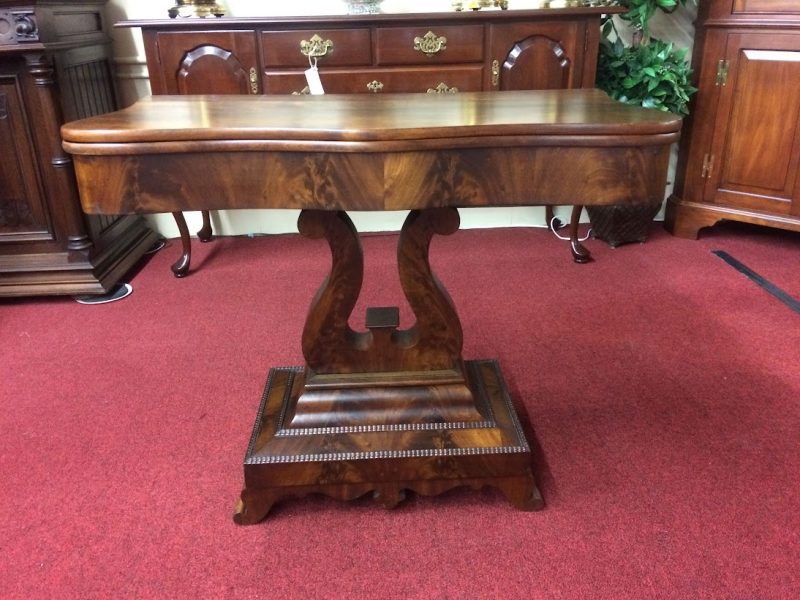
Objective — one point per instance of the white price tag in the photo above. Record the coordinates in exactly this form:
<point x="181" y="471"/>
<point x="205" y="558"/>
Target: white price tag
<point x="314" y="83"/>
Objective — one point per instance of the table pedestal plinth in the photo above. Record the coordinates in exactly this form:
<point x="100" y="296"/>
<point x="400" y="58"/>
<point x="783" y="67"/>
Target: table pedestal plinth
<point x="384" y="452"/>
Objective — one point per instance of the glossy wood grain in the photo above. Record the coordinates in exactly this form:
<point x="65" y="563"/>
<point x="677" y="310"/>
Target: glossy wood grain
<point x="392" y="118"/>
<point x="378" y="408"/>
<point x="165" y="154"/>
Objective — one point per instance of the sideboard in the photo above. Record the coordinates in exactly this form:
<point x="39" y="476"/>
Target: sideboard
<point x="740" y="151"/>
<point x="443" y="53"/>
<point x="55" y="67"/>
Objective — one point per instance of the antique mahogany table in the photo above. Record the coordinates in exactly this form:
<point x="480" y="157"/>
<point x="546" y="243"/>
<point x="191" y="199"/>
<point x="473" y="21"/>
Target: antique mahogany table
<point x="381" y="409"/>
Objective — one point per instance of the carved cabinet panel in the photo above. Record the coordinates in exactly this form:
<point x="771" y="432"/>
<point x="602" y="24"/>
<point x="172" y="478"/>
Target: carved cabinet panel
<point x="219" y="62"/>
<point x="54" y="66"/>
<point x="548" y="56"/>
<point x="23" y="212"/>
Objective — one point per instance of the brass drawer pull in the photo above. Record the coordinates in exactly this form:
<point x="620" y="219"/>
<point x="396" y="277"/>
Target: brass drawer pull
<point x="430" y="43"/>
<point x="253" y="81"/>
<point x="495" y="73"/>
<point x="315" y="47"/>
<point x="375" y="86"/>
<point x="443" y="89"/>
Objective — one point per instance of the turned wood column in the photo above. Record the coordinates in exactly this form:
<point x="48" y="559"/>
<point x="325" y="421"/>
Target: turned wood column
<point x="47" y="139"/>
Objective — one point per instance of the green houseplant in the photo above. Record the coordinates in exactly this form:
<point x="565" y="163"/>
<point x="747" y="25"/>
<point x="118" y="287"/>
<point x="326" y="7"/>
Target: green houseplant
<point x="646" y="72"/>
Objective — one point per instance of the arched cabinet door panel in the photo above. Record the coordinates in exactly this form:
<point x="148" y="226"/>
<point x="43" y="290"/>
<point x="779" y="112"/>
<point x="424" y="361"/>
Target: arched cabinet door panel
<point x="547" y="56"/>
<point x="208" y="62"/>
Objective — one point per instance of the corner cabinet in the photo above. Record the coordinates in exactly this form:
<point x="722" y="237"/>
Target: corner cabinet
<point x="375" y="53"/>
<point x="55" y="67"/>
<point x="740" y="152"/>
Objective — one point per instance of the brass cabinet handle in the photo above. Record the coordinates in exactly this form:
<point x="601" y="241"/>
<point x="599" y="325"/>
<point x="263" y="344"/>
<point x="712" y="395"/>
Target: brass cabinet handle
<point x="315" y="47"/>
<point x="304" y="92"/>
<point x="495" y="73"/>
<point x="430" y="43"/>
<point x="443" y="89"/>
<point x="375" y="86"/>
<point x="253" y="81"/>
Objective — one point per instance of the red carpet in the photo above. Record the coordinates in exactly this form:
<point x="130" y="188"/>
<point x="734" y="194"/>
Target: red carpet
<point x="660" y="389"/>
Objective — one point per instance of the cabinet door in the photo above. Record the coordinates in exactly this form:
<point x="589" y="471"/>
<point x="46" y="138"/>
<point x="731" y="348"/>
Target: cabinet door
<point x="23" y="213"/>
<point x="537" y="56"/>
<point x="214" y="62"/>
<point x="755" y="151"/>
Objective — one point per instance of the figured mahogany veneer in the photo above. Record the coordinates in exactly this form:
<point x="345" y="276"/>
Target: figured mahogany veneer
<point x="382" y="409"/>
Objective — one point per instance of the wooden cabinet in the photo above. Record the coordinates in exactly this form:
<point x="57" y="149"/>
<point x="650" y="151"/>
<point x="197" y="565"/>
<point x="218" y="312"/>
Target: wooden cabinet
<point x="383" y="53"/>
<point x="422" y="52"/>
<point x="740" y="155"/>
<point x="54" y="67"/>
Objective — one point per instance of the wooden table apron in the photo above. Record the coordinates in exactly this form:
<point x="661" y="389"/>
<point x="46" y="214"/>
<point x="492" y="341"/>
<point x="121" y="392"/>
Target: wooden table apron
<point x="383" y="409"/>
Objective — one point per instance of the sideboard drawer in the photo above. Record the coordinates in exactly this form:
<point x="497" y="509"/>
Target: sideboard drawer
<point x="349" y="81"/>
<point x="428" y="45"/>
<point x="332" y="47"/>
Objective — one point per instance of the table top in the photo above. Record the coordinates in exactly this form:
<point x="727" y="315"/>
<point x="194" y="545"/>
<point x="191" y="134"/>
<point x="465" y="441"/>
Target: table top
<point x="368" y="122"/>
<point x="371" y="152"/>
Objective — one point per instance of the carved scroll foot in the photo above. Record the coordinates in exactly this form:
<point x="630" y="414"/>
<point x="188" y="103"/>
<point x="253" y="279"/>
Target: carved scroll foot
<point x="579" y="253"/>
<point x="181" y="266"/>
<point x="205" y="232"/>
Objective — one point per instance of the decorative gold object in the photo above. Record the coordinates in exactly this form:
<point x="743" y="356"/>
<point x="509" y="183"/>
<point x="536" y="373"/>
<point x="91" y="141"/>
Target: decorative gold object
<point x="479" y="4"/>
<point x="315" y="47"/>
<point x="196" y="8"/>
<point x="304" y="92"/>
<point x="495" y="73"/>
<point x="443" y="89"/>
<point x="375" y="86"/>
<point x="430" y="43"/>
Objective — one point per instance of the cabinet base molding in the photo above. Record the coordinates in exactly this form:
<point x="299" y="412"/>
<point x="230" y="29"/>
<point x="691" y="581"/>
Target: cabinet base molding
<point x="685" y="218"/>
<point x="81" y="272"/>
<point x="353" y="454"/>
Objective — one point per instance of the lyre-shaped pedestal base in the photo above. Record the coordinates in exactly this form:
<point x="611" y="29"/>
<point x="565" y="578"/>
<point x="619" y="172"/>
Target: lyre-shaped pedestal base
<point x="383" y="410"/>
